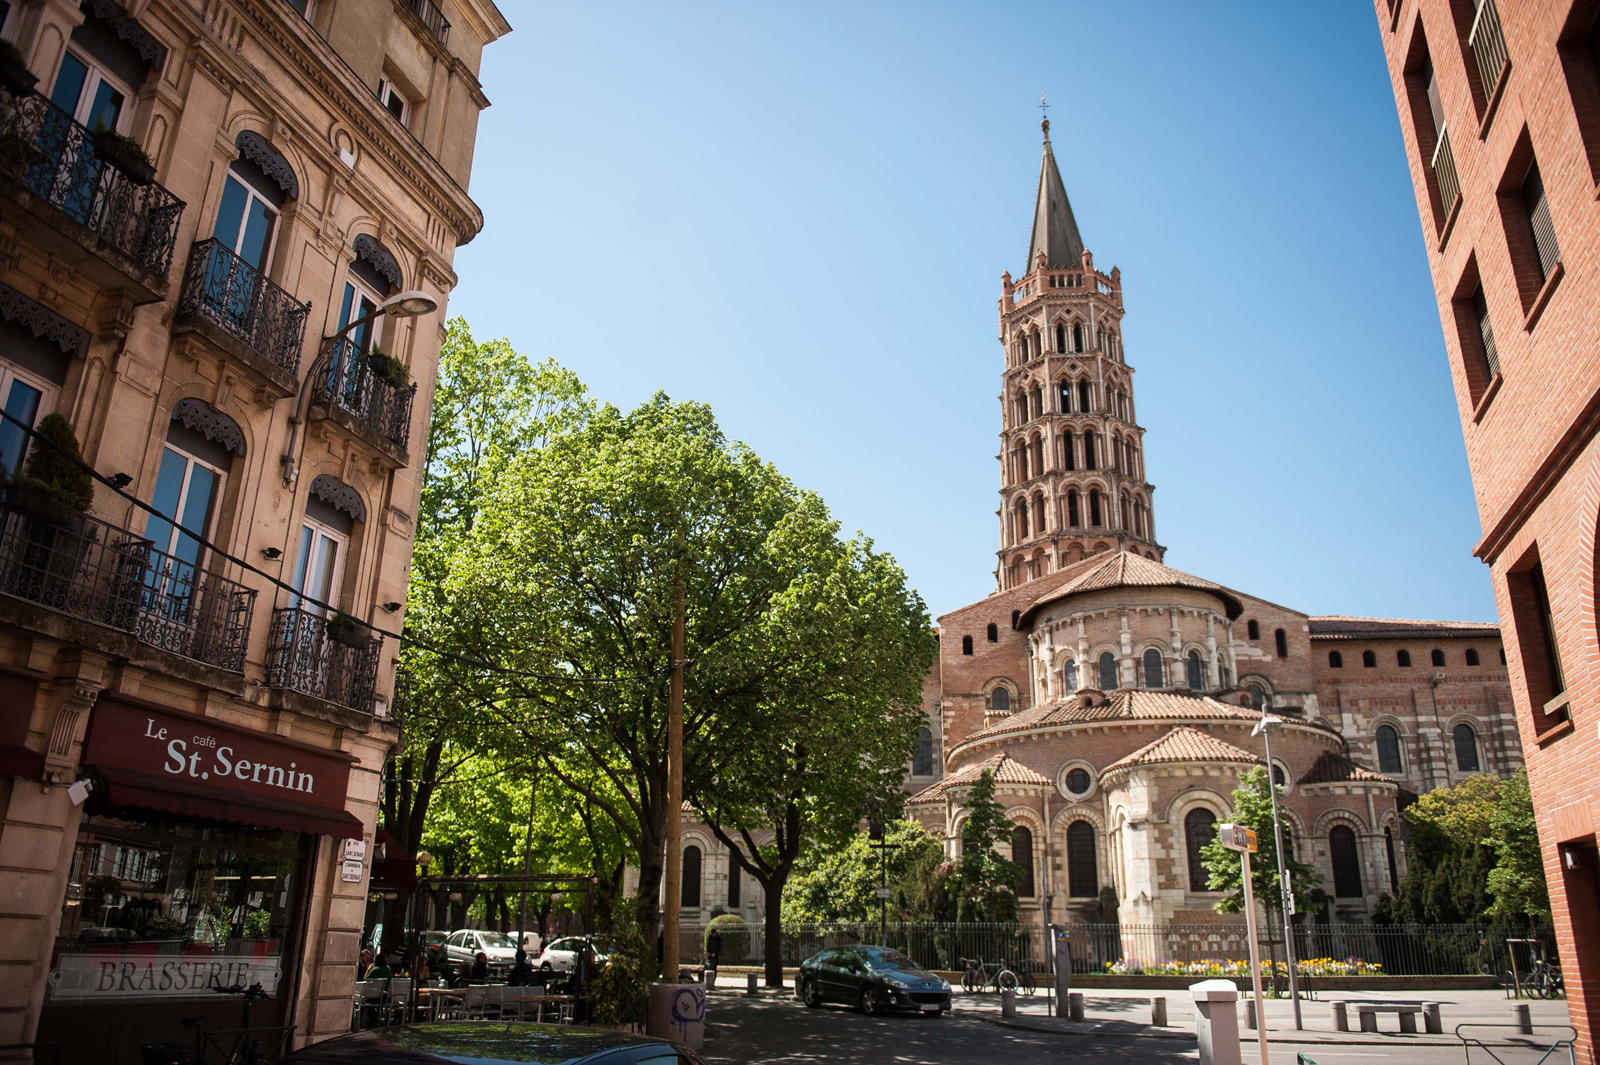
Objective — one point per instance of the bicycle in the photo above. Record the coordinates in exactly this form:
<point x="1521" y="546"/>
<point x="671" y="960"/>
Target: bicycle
<point x="245" y="1049"/>
<point x="1545" y="980"/>
<point x="979" y="976"/>
<point x="1023" y="975"/>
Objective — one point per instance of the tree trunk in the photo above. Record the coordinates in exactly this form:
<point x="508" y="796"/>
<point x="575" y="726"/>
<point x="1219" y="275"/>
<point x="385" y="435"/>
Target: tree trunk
<point x="772" y="927"/>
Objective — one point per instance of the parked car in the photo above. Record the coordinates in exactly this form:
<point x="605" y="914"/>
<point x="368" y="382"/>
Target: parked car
<point x="493" y="1044"/>
<point x="560" y="955"/>
<point x="874" y="978"/>
<point x="464" y="946"/>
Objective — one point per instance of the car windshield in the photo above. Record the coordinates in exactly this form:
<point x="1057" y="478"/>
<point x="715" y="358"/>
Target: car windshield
<point x="498" y="939"/>
<point x="601" y="944"/>
<point x="889" y="959"/>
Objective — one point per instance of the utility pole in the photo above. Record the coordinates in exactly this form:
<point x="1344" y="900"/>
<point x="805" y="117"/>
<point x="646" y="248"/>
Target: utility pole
<point x="876" y="834"/>
<point x="1285" y="889"/>
<point x="527" y="865"/>
<point x="674" y="870"/>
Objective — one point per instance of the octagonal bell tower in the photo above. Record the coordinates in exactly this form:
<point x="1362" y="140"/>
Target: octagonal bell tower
<point x="1072" y="481"/>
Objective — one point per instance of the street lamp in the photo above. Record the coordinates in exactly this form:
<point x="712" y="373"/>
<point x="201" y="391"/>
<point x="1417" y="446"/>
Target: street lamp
<point x="1264" y="728"/>
<point x="408" y="304"/>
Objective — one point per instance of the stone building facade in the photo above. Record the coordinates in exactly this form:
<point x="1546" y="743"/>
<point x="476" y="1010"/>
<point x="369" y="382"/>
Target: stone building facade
<point x="1499" y="106"/>
<point x="200" y="664"/>
<point x="1114" y="698"/>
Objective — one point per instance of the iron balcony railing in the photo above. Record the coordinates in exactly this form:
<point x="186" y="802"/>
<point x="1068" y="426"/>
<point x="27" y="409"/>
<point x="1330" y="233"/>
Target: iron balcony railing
<point x="237" y="298"/>
<point x="351" y="386"/>
<point x="55" y="159"/>
<point x="306" y="655"/>
<point x="1444" y="172"/>
<point x="83" y="567"/>
<point x="433" y="18"/>
<point x="1488" y="45"/>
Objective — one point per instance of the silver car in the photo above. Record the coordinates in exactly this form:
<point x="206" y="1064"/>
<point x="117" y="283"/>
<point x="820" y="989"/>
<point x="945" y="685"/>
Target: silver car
<point x="463" y="947"/>
<point x="560" y="955"/>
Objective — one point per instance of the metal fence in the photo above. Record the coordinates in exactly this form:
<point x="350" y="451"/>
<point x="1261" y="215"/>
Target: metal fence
<point x="307" y="654"/>
<point x="231" y="294"/>
<point x="351" y="386"/>
<point x="1396" y="950"/>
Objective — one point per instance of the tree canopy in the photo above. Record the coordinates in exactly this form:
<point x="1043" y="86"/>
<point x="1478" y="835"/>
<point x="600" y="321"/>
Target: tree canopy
<point x="841" y="883"/>
<point x="984" y="882"/>
<point x="1252" y="807"/>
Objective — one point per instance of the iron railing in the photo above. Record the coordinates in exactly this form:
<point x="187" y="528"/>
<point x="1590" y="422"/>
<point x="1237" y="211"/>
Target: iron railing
<point x="231" y="294"/>
<point x="1488" y="45"/>
<point x="85" y="568"/>
<point x="55" y="158"/>
<point x="1350" y="949"/>
<point x="351" y="386"/>
<point x="432" y="17"/>
<point x="303" y="656"/>
<point x="1444" y="172"/>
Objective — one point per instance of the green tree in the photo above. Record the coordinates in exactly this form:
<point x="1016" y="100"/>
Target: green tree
<point x="1517" y="879"/>
<point x="840" y="884"/>
<point x="1252" y="807"/>
<point x="983" y="882"/>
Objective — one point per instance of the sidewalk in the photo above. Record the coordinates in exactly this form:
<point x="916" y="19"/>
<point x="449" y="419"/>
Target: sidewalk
<point x="1127" y="1013"/>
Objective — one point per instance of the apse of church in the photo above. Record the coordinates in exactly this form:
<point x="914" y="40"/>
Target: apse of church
<point x="1114" y="698"/>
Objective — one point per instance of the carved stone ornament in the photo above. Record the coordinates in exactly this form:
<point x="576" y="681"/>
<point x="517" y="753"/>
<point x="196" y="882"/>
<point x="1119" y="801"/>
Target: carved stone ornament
<point x="73" y="703"/>
<point x="367" y="247"/>
<point x="128" y="30"/>
<point x="339" y="496"/>
<point x="254" y="147"/>
<point x="45" y="323"/>
<point x="210" y="423"/>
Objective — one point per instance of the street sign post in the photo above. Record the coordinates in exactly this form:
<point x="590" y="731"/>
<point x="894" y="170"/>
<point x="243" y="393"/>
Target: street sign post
<point x="1243" y="839"/>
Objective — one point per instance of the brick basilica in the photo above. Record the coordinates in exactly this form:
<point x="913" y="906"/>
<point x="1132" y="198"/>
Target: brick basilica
<point x="1114" y="697"/>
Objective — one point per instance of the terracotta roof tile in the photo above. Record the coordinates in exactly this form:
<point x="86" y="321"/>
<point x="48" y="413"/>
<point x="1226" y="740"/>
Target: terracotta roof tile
<point x="1185" y="744"/>
<point x="1124" y="569"/>
<point x="1339" y="627"/>
<point x="1331" y="768"/>
<point x="1007" y="770"/>
<point x="1123" y="705"/>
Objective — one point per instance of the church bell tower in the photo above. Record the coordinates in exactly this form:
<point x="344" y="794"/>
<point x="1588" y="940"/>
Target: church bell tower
<point x="1072" y="480"/>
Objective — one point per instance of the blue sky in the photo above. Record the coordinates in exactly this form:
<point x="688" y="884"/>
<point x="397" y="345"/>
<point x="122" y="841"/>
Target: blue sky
<point x="799" y="213"/>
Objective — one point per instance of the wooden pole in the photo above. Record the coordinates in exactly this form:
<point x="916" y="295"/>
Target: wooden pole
<point x="674" y="871"/>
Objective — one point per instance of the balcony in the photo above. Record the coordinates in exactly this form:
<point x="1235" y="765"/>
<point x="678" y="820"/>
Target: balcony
<point x="1488" y="46"/>
<point x="431" y="17"/>
<point x="305" y="655"/>
<point x="349" y="391"/>
<point x="223" y="294"/>
<point x="116" y="230"/>
<point x="84" y="568"/>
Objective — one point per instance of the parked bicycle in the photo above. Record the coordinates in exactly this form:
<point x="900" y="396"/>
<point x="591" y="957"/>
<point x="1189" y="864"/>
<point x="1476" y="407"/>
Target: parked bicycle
<point x="1545" y="980"/>
<point x="979" y="976"/>
<point x="249" y="1045"/>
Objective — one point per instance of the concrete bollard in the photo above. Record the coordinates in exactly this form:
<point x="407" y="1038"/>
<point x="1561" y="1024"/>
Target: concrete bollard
<point x="1250" y="1013"/>
<point x="1008" y="1003"/>
<point x="1431" y="1022"/>
<point x="1075" y="1005"/>
<point x="1523" y="1018"/>
<point x="750" y="983"/>
<point x="677" y="1012"/>
<point x="1158" y="1012"/>
<point x="1341" y="1016"/>
<point x="1216" y="1021"/>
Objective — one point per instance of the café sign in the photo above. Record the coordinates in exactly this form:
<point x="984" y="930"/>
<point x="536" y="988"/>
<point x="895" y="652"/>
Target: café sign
<point x="115" y="975"/>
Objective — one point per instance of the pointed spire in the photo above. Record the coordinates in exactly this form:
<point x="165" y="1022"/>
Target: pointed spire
<point x="1055" y="231"/>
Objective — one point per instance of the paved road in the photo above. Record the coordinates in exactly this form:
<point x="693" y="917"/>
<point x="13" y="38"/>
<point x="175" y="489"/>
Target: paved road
<point x="767" y="1031"/>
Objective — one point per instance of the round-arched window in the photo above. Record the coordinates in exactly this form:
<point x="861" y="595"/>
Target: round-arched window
<point x="1083" y="878"/>
<point x="922" y="760"/>
<point x="1389" y="750"/>
<point x="1153" y="677"/>
<point x="1191" y="665"/>
<point x="1000" y="700"/>
<point x="1069" y="675"/>
<point x="1199" y="828"/>
<point x="1279" y="777"/>
<point x="1258" y="696"/>
<point x="1466" y="742"/>
<point x="1108" y="671"/>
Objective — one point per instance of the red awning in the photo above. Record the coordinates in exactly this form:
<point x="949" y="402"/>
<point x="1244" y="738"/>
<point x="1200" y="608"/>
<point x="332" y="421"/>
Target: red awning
<point x="126" y="787"/>
<point x="19" y="761"/>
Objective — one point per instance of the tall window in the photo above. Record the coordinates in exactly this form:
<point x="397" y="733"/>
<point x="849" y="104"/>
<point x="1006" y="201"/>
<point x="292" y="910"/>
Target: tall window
<point x="1083" y="878"/>
<point x="1061" y="337"/>
<point x="1258" y="696"/>
<point x="1084" y="393"/>
<point x="689" y="897"/>
<point x="393" y="100"/>
<point x="1069" y="460"/>
<point x="1346" y="860"/>
<point x="1069" y="675"/>
<point x="1388" y="850"/>
<point x="1153" y="675"/>
<point x="318" y="560"/>
<point x="90" y="94"/>
<point x="1022" y="855"/>
<point x="1073" y="517"/>
<point x="26" y="398"/>
<point x="1472" y="656"/>
<point x="1280" y="640"/>
<point x="247" y="220"/>
<point x="1199" y="828"/>
<point x="734" y="892"/>
<point x="1192" y="672"/>
<point x="1077" y="340"/>
<point x="1369" y="660"/>
<point x="1389" y="750"/>
<point x="1490" y="353"/>
<point x="1402" y="658"/>
<point x="966" y="645"/>
<point x="1000" y="700"/>
<point x="1466" y="741"/>
<point x="1252" y="629"/>
<point x="1108" y="671"/>
<point x="993" y="632"/>
<point x="1094" y="504"/>
<point x="187" y="490"/>
<point x="1541" y="228"/>
<point x="1436" y="656"/>
<point x="1335" y="660"/>
<point x="922" y="760"/>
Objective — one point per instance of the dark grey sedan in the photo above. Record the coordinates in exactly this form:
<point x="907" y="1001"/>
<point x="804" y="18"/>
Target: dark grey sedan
<point x="492" y="1043"/>
<point x="876" y="979"/>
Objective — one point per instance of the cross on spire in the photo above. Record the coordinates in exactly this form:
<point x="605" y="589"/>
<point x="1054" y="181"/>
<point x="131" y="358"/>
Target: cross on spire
<point x="1044" y="108"/>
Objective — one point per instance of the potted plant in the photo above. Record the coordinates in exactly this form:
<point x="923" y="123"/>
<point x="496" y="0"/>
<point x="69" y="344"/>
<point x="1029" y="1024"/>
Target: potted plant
<point x="14" y="72"/>
<point x="126" y="155"/>
<point x="388" y="369"/>
<point x="55" y="486"/>
<point x="342" y="628"/>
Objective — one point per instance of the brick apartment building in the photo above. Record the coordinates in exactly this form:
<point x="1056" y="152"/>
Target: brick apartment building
<point x="1499" y="104"/>
<point x="206" y="666"/>
<point x="1114" y="697"/>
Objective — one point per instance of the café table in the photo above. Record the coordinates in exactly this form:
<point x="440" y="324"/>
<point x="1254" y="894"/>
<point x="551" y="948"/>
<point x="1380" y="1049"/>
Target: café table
<point x="441" y="1000"/>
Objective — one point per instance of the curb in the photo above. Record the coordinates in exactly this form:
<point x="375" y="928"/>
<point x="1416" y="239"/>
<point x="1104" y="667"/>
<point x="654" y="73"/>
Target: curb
<point x="1300" y="1039"/>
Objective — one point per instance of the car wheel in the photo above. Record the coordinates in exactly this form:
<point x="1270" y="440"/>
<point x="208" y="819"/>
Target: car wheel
<point x="545" y="966"/>
<point x="811" y="994"/>
<point x="869" y="1000"/>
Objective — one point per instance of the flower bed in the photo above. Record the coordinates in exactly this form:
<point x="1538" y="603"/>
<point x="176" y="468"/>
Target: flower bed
<point x="1219" y="967"/>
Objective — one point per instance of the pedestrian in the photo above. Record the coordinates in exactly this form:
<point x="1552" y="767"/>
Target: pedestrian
<point x="521" y="971"/>
<point x="480" y="968"/>
<point x="419" y="968"/>
<point x="365" y="964"/>
<point x="583" y="970"/>
<point x="382" y="970"/>
<point x="713" y="957"/>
